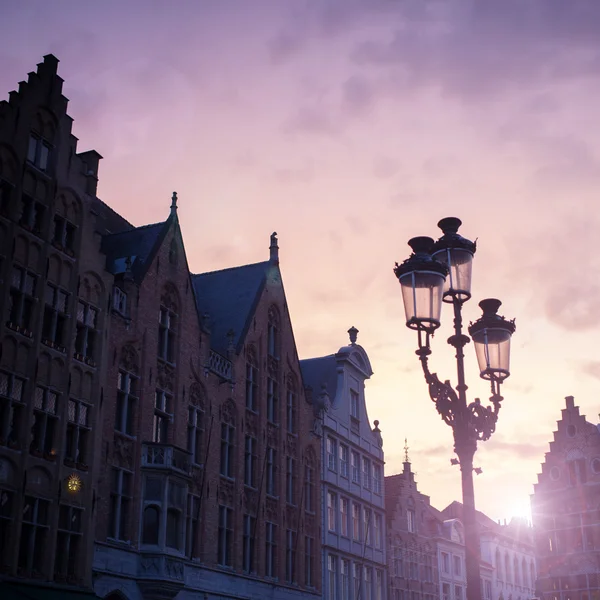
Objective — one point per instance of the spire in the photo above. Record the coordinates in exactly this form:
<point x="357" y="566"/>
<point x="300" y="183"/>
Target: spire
<point x="353" y="332"/>
<point x="406" y="459"/>
<point x="174" y="204"/>
<point x="274" y="249"/>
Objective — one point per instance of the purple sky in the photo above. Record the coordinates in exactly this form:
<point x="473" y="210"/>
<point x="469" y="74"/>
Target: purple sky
<point x="349" y="126"/>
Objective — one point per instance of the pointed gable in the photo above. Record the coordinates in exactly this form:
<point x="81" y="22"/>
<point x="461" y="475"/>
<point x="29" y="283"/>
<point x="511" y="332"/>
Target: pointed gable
<point x="229" y="297"/>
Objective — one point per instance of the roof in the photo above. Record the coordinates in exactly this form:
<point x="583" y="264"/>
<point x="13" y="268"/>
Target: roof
<point x="108" y="220"/>
<point x="230" y="297"/>
<point x="135" y="244"/>
<point x="319" y="371"/>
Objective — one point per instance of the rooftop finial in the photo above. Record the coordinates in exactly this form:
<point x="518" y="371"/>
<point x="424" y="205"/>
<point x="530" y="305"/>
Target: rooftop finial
<point x="353" y="332"/>
<point x="274" y="249"/>
<point x="174" y="203"/>
<point x="406" y="459"/>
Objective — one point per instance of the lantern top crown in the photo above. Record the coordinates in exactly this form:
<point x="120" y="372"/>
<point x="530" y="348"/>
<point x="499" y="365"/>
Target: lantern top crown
<point x="491" y="318"/>
<point x="451" y="237"/>
<point x="421" y="259"/>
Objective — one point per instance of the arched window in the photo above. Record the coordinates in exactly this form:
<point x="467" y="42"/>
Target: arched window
<point x="167" y="328"/>
<point x="174" y="521"/>
<point x="273" y="332"/>
<point x="517" y="574"/>
<point x="196" y="423"/>
<point x="228" y="439"/>
<point x="150" y="525"/>
<point x="292" y="405"/>
<point x="251" y="379"/>
<point x="509" y="578"/>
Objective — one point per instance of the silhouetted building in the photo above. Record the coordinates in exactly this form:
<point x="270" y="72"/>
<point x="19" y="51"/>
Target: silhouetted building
<point x="161" y="414"/>
<point x="354" y="550"/>
<point x="566" y="511"/>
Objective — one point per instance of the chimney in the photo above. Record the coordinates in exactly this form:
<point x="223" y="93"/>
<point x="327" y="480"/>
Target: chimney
<point x="274" y="249"/>
<point x="570" y="402"/>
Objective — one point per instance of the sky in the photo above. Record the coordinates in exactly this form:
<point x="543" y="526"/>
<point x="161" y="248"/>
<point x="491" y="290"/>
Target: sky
<point x="350" y="126"/>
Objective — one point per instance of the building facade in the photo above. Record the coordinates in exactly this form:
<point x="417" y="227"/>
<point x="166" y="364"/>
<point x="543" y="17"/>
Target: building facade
<point x="411" y="547"/>
<point x="352" y="476"/>
<point x="566" y="511"/>
<point x="156" y="440"/>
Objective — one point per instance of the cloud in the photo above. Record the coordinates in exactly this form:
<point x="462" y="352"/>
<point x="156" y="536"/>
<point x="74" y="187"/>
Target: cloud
<point x="385" y="167"/>
<point x="296" y="175"/>
<point x="283" y="47"/>
<point x="358" y="95"/>
<point x="591" y="368"/>
<point x="312" y="120"/>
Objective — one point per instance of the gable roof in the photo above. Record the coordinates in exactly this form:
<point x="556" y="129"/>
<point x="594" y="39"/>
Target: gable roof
<point x="138" y="245"/>
<point x="230" y="297"/>
<point x="319" y="371"/>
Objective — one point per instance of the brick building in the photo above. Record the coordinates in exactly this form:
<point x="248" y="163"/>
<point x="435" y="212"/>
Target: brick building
<point x="155" y="436"/>
<point x="566" y="511"/>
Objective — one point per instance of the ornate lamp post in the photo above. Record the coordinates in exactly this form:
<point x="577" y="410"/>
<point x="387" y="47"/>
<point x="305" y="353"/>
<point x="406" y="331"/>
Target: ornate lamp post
<point x="439" y="272"/>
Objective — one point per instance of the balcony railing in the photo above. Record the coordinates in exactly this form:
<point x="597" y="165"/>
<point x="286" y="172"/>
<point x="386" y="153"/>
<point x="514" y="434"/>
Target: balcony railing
<point x="220" y="365"/>
<point x="163" y="456"/>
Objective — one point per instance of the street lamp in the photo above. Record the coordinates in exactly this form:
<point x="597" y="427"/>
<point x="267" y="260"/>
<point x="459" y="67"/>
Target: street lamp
<point x="439" y="272"/>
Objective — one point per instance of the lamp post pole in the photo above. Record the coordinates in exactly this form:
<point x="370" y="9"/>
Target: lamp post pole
<point x="441" y="271"/>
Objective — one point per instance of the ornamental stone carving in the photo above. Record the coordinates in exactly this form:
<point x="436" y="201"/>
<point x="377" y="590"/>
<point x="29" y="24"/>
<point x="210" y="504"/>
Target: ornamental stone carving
<point x="272" y="435"/>
<point x="251" y="424"/>
<point x="123" y="452"/>
<point x="169" y="298"/>
<point x="250" y="500"/>
<point x="226" y="492"/>
<point x="129" y="359"/>
<point x="165" y="376"/>
<point x="291" y="445"/>
<point x="174" y="569"/>
<point x="271" y="506"/>
<point x="150" y="565"/>
<point x="228" y="412"/>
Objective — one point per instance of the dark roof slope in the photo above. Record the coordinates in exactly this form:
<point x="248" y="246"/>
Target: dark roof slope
<point x="108" y="220"/>
<point x="230" y="297"/>
<point x="319" y="371"/>
<point x="137" y="244"/>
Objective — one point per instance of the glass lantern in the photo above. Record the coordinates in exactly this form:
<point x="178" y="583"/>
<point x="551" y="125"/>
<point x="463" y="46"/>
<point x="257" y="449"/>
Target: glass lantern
<point x="456" y="252"/>
<point x="491" y="335"/>
<point x="422" y="281"/>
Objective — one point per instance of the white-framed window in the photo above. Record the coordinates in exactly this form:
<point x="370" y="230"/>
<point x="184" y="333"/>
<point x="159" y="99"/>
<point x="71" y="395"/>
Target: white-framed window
<point x="63" y="234"/>
<point x="87" y="324"/>
<point x="345" y="579"/>
<point x="127" y="398"/>
<point x="343" y="460"/>
<point x="251" y="383"/>
<point x="32" y="215"/>
<point x="196" y="433"/>
<point x="446" y="591"/>
<point x="357" y="576"/>
<point x="332" y="576"/>
<point x="227" y="449"/>
<point x="378" y="529"/>
<point x="356" y="521"/>
<point x="355" y="465"/>
<point x="368" y="525"/>
<point x="250" y="460"/>
<point x="33" y="544"/>
<point x="445" y="562"/>
<point x="458" y="592"/>
<point x="121" y="496"/>
<point x="344" y="516"/>
<point x="272" y="472"/>
<point x="167" y="323"/>
<point x="366" y="473"/>
<point x="290" y="556"/>
<point x="119" y="300"/>
<point x="22" y="298"/>
<point x="411" y="520"/>
<point x="378" y="584"/>
<point x="457" y="564"/>
<point x="55" y="317"/>
<point x="11" y="406"/>
<point x="78" y="431"/>
<point x="331" y="508"/>
<point x="272" y="400"/>
<point x="368" y="595"/>
<point x="38" y="152"/>
<point x="68" y="540"/>
<point x="45" y="420"/>
<point x="309" y="561"/>
<point x="163" y="408"/>
<point x="377" y="487"/>
<point x="225" y="537"/>
<point x="248" y="544"/>
<point x="290" y="480"/>
<point x="270" y="549"/>
<point x="331" y="453"/>
<point x="354" y="404"/>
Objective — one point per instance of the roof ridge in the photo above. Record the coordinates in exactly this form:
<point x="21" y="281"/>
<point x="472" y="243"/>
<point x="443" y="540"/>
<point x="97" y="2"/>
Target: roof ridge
<point x="317" y="357"/>
<point x="129" y="231"/>
<point x="264" y="262"/>
<point x="113" y="210"/>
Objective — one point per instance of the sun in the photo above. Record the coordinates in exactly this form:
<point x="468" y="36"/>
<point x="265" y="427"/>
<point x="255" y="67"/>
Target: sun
<point x="521" y="509"/>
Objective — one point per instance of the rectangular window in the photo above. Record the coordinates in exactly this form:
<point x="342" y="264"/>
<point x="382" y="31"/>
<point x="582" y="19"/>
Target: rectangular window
<point x="270" y="549"/>
<point x="6" y="520"/>
<point x="331" y="502"/>
<point x="121" y="497"/>
<point x="368" y="595"/>
<point x="291" y="412"/>
<point x="251" y="387"/>
<point x="331" y="453"/>
<point x="377" y="488"/>
<point x="63" y="234"/>
<point x="227" y="448"/>
<point x="22" y="300"/>
<point x="163" y="403"/>
<point x="32" y="215"/>
<point x="250" y="459"/>
<point x="446" y="591"/>
<point x="55" y="317"/>
<point x="6" y="191"/>
<point x="166" y="335"/>
<point x="38" y="152"/>
<point x="354" y="404"/>
<point x="344" y="516"/>
<point x="367" y="473"/>
<point x="290" y="556"/>
<point x="78" y="432"/>
<point x="343" y="460"/>
<point x="355" y="459"/>
<point x="271" y="472"/>
<point x="290" y="480"/>
<point x="225" y="541"/>
<point x="309" y="488"/>
<point x="357" y="572"/>
<point x="196" y="433"/>
<point x="345" y="578"/>
<point x="68" y="541"/>
<point x="309" y="561"/>
<point x="126" y="402"/>
<point x="34" y="535"/>
<point x="411" y="521"/>
<point x="85" y="339"/>
<point x="356" y="521"/>
<point x="457" y="565"/>
<point x="45" y="421"/>
<point x="378" y="531"/>
<point x="378" y="584"/>
<point x="445" y="562"/>
<point x="248" y="544"/>
<point x="331" y="576"/>
<point x="119" y="300"/>
<point x="398" y="563"/>
<point x="192" y="531"/>
<point x="458" y="592"/>
<point x="368" y="526"/>
<point x="11" y="407"/>
<point x="272" y="400"/>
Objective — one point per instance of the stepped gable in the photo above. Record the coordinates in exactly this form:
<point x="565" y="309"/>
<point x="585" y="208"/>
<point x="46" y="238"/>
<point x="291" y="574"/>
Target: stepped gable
<point x="230" y="297"/>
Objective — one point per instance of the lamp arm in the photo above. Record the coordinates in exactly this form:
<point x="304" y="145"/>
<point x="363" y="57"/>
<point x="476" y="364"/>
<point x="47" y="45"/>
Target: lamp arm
<point x="483" y="419"/>
<point x="443" y="394"/>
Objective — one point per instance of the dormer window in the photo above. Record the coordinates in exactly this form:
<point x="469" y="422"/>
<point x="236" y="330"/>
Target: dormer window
<point x="38" y="153"/>
<point x="354" y="404"/>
